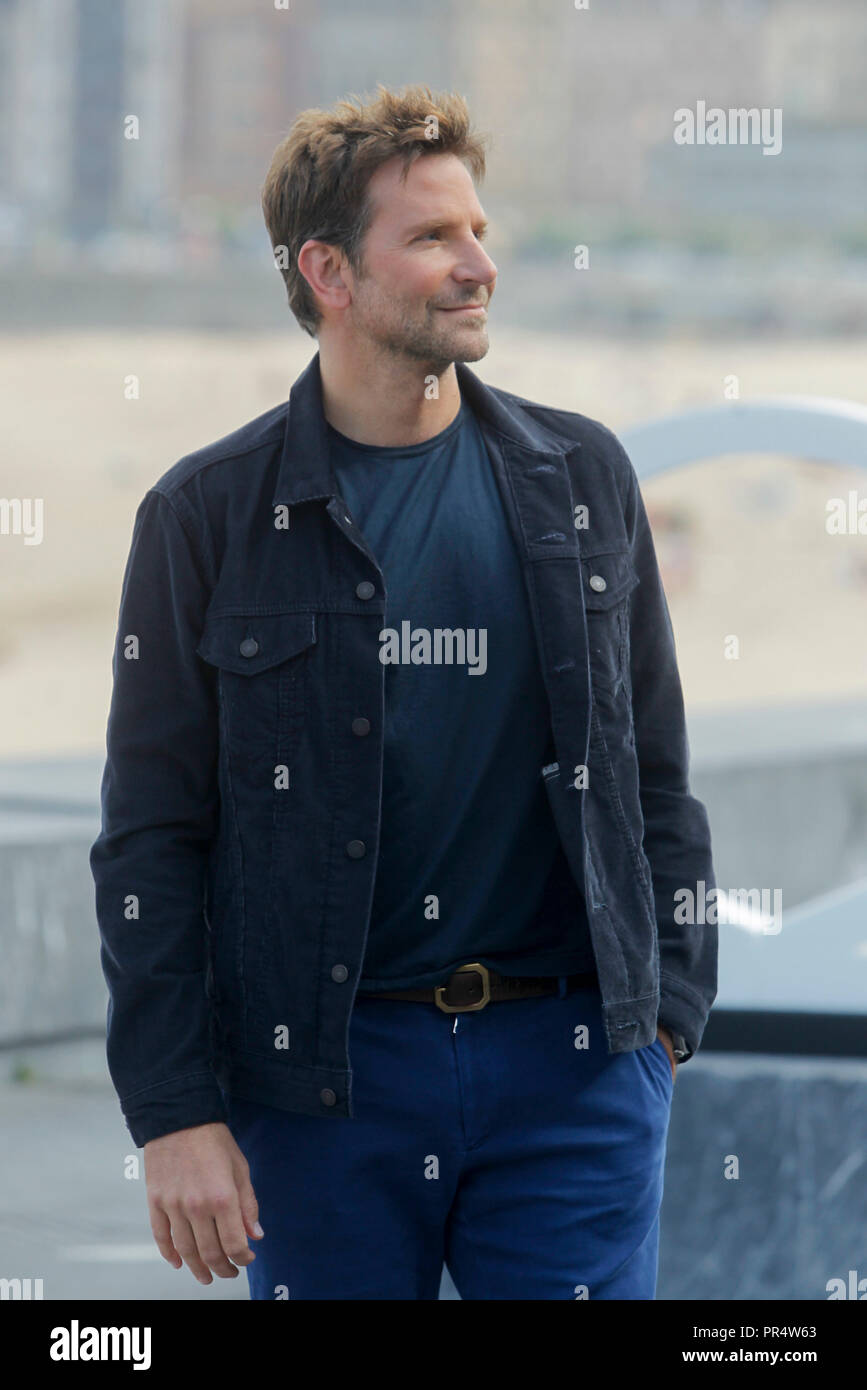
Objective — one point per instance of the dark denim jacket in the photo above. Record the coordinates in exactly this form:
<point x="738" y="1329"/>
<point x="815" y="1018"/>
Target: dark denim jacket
<point x="235" y="866"/>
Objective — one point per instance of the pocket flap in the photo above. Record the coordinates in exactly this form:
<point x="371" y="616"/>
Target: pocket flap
<point x="248" y="644"/>
<point x="607" y="579"/>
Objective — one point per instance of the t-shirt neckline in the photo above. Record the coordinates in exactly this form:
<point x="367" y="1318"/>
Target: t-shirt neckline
<point x="391" y="450"/>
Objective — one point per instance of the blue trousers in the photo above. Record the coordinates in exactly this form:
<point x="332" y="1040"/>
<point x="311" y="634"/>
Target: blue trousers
<point x="496" y="1142"/>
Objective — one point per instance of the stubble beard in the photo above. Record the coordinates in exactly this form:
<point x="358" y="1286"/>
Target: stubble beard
<point x="436" y="346"/>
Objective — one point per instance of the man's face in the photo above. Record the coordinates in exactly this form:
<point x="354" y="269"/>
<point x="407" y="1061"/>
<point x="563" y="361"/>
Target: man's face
<point x="423" y="265"/>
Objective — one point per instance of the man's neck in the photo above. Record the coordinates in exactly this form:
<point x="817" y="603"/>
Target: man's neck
<point x="387" y="400"/>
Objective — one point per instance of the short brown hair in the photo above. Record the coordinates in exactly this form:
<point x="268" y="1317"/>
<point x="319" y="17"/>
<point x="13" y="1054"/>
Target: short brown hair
<point x="316" y="187"/>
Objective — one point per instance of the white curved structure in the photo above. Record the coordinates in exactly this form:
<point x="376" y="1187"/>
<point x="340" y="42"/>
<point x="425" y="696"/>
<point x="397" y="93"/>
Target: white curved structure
<point x="813" y="427"/>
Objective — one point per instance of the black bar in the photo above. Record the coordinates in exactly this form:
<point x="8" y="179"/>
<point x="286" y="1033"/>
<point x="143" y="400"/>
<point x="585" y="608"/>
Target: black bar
<point x="783" y="1032"/>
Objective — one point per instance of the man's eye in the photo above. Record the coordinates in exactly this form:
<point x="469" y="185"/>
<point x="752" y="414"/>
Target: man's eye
<point x="437" y="236"/>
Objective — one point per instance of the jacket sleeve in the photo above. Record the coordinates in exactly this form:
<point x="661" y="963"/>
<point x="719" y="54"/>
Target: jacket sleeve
<point x="677" y="839"/>
<point x="159" y="814"/>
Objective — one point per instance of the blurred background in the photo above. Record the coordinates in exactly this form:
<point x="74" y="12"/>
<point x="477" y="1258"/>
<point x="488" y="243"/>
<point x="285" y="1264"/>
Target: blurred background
<point x="717" y="325"/>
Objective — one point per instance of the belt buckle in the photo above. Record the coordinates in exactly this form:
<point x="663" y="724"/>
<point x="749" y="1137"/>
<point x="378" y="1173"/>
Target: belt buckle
<point x="479" y="969"/>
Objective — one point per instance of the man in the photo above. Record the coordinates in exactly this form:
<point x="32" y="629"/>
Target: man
<point x="396" y="799"/>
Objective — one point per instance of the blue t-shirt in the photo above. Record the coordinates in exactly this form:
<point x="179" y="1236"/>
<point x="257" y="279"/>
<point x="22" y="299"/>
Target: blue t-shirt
<point x="470" y="862"/>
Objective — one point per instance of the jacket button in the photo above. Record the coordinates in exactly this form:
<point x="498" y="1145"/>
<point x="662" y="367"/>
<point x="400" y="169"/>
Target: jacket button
<point x="328" y="1097"/>
<point x="597" y="583"/>
<point x="365" y="589"/>
<point x="249" y="647"/>
<point x="361" y="727"/>
<point x="355" y="849"/>
<point x="339" y="973"/>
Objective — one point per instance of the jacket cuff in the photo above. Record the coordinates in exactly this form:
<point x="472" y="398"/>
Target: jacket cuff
<point x="179" y="1104"/>
<point x="681" y="1014"/>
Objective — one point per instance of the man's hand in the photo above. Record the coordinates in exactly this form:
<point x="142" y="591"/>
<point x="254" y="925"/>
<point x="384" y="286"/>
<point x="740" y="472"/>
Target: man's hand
<point x="664" y="1034"/>
<point x="201" y="1201"/>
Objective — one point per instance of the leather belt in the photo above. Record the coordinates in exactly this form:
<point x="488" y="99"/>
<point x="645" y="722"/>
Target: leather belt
<point x="473" y="987"/>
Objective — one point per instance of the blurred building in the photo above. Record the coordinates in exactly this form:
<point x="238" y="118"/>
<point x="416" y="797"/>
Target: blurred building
<point x="246" y="75"/>
<point x="37" y="132"/>
<point x="73" y="74"/>
<point x="579" y="105"/>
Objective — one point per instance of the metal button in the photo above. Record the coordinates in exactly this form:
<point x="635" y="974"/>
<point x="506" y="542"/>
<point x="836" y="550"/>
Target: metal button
<point x="328" y="1097"/>
<point x="597" y="583"/>
<point x="361" y="727"/>
<point x="339" y="973"/>
<point x="249" y="646"/>
<point x="356" y="849"/>
<point x="365" y="589"/>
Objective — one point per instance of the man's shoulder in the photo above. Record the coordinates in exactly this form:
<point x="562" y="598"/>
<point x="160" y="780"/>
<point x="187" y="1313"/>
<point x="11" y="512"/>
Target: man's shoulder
<point x="263" y="435"/>
<point x="559" y="427"/>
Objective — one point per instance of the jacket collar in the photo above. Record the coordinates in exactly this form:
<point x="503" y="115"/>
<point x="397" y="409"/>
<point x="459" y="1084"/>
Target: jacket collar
<point x="305" y="469"/>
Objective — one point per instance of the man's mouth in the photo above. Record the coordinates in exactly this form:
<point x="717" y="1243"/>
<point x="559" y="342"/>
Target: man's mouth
<point x="476" y="309"/>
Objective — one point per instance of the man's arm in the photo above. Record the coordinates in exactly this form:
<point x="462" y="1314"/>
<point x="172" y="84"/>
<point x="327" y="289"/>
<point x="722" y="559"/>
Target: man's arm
<point x="149" y="863"/>
<point x="159" y="809"/>
<point x="677" y="838"/>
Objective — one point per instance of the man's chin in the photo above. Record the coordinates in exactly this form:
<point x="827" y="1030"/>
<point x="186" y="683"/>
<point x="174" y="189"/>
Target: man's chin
<point x="439" y="350"/>
<point x="465" y="345"/>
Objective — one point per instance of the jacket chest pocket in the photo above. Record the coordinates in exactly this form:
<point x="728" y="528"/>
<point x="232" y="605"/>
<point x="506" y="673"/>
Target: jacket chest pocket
<point x="608" y="581"/>
<point x="263" y="667"/>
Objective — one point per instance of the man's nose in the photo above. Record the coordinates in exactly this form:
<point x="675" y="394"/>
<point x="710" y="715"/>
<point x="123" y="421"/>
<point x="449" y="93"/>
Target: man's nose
<point x="480" y="269"/>
<point x="488" y="274"/>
